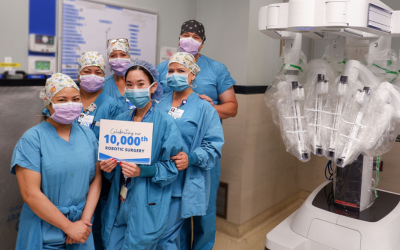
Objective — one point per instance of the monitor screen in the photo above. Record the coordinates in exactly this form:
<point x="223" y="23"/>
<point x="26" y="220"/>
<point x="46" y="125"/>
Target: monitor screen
<point x="42" y="65"/>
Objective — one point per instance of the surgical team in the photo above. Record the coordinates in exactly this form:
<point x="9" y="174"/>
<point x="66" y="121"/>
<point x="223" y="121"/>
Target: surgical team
<point x="74" y="201"/>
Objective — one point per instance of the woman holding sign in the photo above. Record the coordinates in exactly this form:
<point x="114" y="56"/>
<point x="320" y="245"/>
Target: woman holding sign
<point x="119" y="57"/>
<point x="140" y="195"/>
<point x="55" y="164"/>
<point x="201" y="130"/>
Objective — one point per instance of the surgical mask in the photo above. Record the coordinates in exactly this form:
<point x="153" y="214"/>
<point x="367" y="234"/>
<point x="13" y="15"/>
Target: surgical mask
<point x="177" y="82"/>
<point x="91" y="83"/>
<point x="66" y="113"/>
<point x="189" y="45"/>
<point x="138" y="97"/>
<point x="119" y="65"/>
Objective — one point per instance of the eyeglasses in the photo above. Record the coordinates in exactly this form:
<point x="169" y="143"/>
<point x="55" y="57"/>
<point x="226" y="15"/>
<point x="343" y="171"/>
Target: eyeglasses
<point x="113" y="40"/>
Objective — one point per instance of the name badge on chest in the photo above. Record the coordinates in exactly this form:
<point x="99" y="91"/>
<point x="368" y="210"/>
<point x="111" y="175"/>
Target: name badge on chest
<point x="86" y="120"/>
<point x="176" y="113"/>
<point x="123" y="193"/>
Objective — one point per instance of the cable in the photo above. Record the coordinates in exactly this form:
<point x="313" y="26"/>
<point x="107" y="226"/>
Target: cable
<point x="330" y="170"/>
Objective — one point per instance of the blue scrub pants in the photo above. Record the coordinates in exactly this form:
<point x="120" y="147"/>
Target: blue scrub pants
<point x="204" y="227"/>
<point x="120" y="227"/>
<point x="170" y="239"/>
<point x="105" y="190"/>
<point x="118" y="232"/>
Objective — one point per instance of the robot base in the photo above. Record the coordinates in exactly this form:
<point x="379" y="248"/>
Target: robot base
<point x="318" y="225"/>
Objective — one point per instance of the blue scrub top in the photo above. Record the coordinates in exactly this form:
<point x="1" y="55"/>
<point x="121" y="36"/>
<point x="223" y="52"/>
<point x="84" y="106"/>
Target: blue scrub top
<point x="213" y="79"/>
<point x="66" y="169"/>
<point x="145" y="210"/>
<point x="106" y="108"/>
<point x="202" y="134"/>
<point x="111" y="89"/>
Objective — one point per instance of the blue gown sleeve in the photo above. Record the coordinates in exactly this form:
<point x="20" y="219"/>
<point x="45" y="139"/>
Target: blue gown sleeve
<point x="166" y="171"/>
<point x="27" y="153"/>
<point x="210" y="149"/>
<point x="224" y="81"/>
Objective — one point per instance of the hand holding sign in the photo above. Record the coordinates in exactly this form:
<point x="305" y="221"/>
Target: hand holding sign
<point x="129" y="169"/>
<point x="108" y="165"/>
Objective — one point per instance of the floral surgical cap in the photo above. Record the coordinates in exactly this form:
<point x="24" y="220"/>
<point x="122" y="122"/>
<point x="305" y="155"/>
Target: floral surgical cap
<point x="187" y="60"/>
<point x="55" y="84"/>
<point x="118" y="44"/>
<point x="92" y="58"/>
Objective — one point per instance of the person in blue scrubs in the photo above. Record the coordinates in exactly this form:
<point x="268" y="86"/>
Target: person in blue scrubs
<point x="203" y="139"/>
<point x="119" y="57"/>
<point x="140" y="195"/>
<point x="214" y="84"/>
<point x="96" y="105"/>
<point x="57" y="171"/>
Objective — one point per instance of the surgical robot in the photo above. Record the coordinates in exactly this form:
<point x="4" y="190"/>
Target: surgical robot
<point x="342" y="107"/>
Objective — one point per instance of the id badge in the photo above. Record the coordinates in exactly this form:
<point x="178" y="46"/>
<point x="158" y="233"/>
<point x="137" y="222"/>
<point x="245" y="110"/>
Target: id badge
<point x="122" y="193"/>
<point x="176" y="113"/>
<point x="86" y="120"/>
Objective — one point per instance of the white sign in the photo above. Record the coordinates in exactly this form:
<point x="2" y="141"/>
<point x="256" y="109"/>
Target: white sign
<point x="126" y="141"/>
<point x="166" y="53"/>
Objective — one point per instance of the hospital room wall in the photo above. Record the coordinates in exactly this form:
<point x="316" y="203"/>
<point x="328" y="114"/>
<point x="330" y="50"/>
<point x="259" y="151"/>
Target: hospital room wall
<point x="171" y="15"/>
<point x="14" y="38"/>
<point x="311" y="174"/>
<point x="259" y="171"/>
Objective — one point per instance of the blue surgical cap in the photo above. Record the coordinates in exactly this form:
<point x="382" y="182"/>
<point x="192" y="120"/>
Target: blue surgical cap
<point x="154" y="73"/>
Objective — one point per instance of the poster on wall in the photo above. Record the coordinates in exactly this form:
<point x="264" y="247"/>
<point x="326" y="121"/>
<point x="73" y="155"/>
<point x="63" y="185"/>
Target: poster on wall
<point x="87" y="25"/>
<point x="166" y="53"/>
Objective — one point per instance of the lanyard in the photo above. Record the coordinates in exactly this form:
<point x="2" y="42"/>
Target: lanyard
<point x="146" y="115"/>
<point x="183" y="103"/>
<point x="126" y="179"/>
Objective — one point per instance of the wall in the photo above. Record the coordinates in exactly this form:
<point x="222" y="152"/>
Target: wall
<point x="226" y="25"/>
<point x="263" y="51"/>
<point x="255" y="164"/>
<point x="171" y="15"/>
<point x="14" y="38"/>
<point x="14" y="32"/>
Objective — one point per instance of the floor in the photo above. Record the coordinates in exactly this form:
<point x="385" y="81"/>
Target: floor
<point x="254" y="240"/>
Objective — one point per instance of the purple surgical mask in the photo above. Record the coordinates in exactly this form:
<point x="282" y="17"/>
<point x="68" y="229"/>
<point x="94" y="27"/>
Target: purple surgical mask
<point x="119" y="65"/>
<point x="189" y="45"/>
<point x="66" y="113"/>
<point x="91" y="83"/>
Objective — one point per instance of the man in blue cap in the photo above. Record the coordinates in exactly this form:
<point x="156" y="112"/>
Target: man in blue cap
<point x="214" y="84"/>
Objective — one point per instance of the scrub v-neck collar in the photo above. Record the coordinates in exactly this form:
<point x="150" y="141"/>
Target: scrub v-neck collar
<point x="190" y="97"/>
<point x="116" y="89"/>
<point x="53" y="131"/>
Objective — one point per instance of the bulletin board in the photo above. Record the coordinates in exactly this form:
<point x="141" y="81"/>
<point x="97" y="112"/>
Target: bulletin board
<point x="85" y="25"/>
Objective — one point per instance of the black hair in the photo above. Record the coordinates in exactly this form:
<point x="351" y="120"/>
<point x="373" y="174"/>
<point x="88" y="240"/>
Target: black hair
<point x="138" y="67"/>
